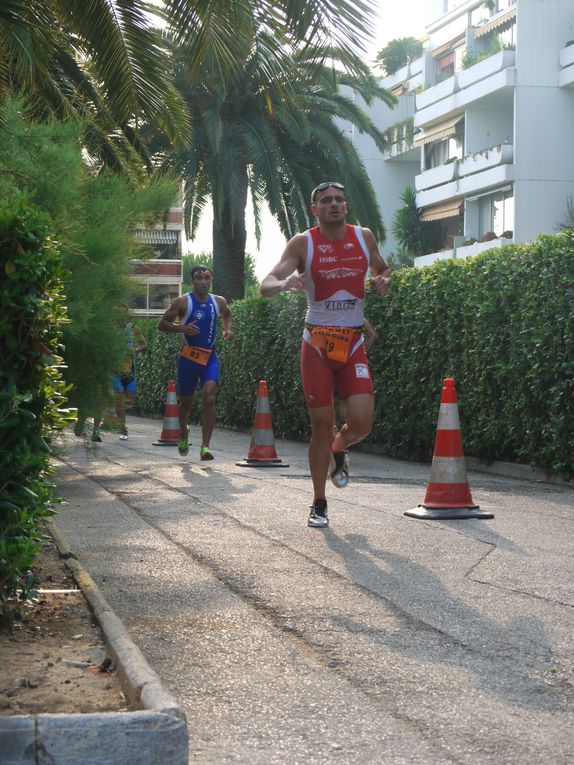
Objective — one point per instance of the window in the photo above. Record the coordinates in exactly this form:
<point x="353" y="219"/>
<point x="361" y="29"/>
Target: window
<point x="161" y="295"/>
<point x="155" y="297"/>
<point x="508" y="36"/>
<point x="165" y="251"/>
<point x="439" y="153"/>
<point x="445" y="67"/>
<point x="479" y="16"/>
<point x="496" y="213"/>
<point x="504" y="4"/>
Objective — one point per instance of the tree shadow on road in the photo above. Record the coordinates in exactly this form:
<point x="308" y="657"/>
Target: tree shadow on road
<point x="510" y="658"/>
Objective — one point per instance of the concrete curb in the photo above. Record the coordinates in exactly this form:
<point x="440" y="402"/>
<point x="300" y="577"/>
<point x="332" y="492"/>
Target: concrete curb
<point x="515" y="470"/>
<point x="157" y="732"/>
<point x="504" y="469"/>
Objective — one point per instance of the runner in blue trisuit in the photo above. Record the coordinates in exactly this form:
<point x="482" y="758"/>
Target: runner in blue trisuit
<point x="195" y="315"/>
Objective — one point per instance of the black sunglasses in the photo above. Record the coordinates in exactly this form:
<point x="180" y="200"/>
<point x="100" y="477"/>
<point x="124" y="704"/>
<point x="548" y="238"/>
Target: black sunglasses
<point x="325" y="185"/>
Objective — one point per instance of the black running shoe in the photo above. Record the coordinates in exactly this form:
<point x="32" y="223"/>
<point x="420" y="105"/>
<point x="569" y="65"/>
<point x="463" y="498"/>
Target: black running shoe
<point x="318" y="515"/>
<point x="340" y="473"/>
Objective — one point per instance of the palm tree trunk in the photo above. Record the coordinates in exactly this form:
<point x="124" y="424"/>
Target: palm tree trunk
<point x="229" y="237"/>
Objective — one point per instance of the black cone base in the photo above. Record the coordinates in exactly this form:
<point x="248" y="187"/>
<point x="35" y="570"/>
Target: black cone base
<point x="261" y="463"/>
<point x="447" y="513"/>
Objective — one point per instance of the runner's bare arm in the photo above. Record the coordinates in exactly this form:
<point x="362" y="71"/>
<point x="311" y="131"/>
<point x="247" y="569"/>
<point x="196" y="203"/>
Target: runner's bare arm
<point x="381" y="279"/>
<point x="286" y="275"/>
<point x="371" y="335"/>
<point x="176" y="311"/>
<point x="141" y="341"/>
<point x="226" y="317"/>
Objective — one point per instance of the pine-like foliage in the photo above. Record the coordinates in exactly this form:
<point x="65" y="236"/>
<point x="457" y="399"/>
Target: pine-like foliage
<point x="93" y="217"/>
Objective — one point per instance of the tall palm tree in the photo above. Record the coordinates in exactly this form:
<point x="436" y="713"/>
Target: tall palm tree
<point x="99" y="59"/>
<point x="273" y="141"/>
<point x="96" y="59"/>
<point x="398" y="53"/>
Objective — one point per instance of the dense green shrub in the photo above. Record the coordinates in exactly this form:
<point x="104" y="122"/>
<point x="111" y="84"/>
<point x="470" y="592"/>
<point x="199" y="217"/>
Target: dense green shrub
<point x="155" y="367"/>
<point x="93" y="216"/>
<point x="31" y="388"/>
<point x="501" y="324"/>
<point x="265" y="346"/>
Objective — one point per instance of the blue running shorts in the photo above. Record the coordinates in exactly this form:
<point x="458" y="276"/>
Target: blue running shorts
<point x="190" y="373"/>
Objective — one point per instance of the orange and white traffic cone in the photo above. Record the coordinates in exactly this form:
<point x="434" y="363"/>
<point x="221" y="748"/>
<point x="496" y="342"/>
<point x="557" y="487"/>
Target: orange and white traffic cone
<point x="448" y="493"/>
<point x="262" y="448"/>
<point x="170" y="432"/>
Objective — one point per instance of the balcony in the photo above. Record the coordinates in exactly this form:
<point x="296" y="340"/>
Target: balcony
<point x="503" y="154"/>
<point x="476" y="165"/>
<point x="436" y="176"/>
<point x="399" y="139"/>
<point x="426" y="260"/>
<point x="469" y="250"/>
<point x="491" y="75"/>
<point x="566" y="74"/>
<point x="435" y="93"/>
<point x="485" y="68"/>
<point x="476" y="183"/>
<point x="164" y="267"/>
<point x="460" y="252"/>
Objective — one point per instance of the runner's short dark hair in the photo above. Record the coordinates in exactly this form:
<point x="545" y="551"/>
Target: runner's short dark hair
<point x="196" y="269"/>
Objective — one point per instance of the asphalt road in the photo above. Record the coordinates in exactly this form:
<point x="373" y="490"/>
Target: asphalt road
<point x="383" y="639"/>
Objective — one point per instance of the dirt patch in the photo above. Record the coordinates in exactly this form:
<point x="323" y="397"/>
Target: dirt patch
<point x="55" y="659"/>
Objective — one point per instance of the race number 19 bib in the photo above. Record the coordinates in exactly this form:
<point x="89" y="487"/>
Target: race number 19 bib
<point x="199" y="355"/>
<point x="335" y="341"/>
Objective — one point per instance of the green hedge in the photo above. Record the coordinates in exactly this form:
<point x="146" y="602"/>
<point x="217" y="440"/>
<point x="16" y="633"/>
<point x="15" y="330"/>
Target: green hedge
<point x="31" y="389"/>
<point x="501" y="324"/>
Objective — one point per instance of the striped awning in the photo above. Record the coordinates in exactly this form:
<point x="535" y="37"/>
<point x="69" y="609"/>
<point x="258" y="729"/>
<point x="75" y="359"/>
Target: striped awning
<point x="449" y="209"/>
<point x="448" y="46"/>
<point x="156" y="236"/>
<point x="499" y="21"/>
<point x="437" y="132"/>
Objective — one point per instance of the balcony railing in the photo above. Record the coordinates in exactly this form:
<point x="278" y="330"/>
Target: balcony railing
<point x="480" y="71"/>
<point x="461" y="252"/>
<point x="503" y="154"/>
<point x="400" y="138"/>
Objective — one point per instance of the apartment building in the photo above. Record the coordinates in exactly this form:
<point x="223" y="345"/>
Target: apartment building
<point x="483" y="127"/>
<point x="160" y="278"/>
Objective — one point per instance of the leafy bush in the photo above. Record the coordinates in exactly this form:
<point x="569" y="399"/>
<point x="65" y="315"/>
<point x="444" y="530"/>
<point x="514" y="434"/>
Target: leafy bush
<point x="31" y="388"/>
<point x="501" y="324"/>
<point x="155" y="367"/>
<point x="93" y="216"/>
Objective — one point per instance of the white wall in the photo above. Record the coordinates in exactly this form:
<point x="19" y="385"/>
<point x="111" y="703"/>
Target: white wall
<point x="543" y="143"/>
<point x="485" y="128"/>
<point x="388" y="177"/>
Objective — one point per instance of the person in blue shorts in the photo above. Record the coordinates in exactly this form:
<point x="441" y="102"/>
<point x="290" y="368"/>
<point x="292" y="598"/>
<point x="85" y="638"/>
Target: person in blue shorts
<point x="195" y="316"/>
<point x="124" y="383"/>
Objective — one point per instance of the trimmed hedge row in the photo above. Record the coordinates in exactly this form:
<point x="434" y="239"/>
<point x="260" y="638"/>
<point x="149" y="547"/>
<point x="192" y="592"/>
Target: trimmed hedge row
<point x="32" y="391"/>
<point x="501" y="324"/>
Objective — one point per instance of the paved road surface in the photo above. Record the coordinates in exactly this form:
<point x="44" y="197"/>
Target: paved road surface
<point x="383" y="640"/>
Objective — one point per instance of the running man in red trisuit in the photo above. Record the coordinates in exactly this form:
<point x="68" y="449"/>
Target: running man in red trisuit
<point x="330" y="262"/>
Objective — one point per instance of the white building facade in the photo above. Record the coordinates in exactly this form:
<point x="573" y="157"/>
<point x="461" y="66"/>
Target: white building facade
<point x="484" y="126"/>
